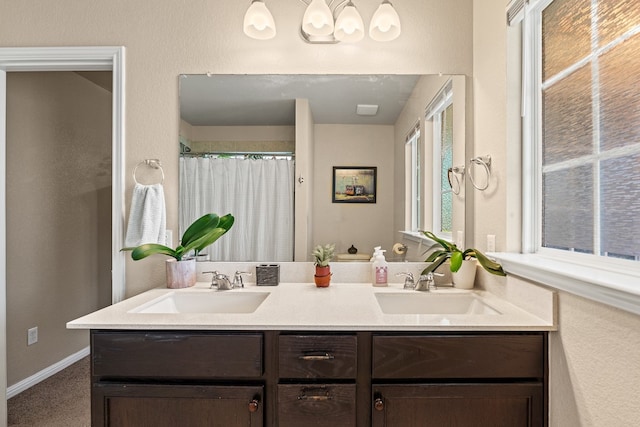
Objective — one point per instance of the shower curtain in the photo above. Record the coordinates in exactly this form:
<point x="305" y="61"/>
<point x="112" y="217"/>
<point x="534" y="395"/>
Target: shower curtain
<point x="257" y="192"/>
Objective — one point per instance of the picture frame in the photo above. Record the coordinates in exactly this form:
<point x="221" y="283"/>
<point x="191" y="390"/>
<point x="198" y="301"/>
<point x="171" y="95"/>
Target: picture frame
<point x="354" y="184"/>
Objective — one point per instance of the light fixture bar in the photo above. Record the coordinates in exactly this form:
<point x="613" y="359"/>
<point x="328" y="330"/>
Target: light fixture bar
<point x="326" y="23"/>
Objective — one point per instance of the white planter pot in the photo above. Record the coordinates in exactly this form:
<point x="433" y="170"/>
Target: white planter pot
<point x="181" y="274"/>
<point x="465" y="277"/>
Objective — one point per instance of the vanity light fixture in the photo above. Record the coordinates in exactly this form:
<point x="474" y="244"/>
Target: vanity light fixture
<point x="258" y="21"/>
<point x="327" y="21"/>
<point x="385" y="24"/>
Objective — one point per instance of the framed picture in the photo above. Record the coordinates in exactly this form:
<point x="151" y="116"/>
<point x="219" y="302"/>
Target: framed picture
<point x="354" y="184"/>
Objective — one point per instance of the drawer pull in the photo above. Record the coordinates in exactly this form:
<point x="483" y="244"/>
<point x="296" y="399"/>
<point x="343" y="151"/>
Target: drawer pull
<point x="379" y="404"/>
<point x="322" y="355"/>
<point x="253" y="406"/>
<point x="323" y="394"/>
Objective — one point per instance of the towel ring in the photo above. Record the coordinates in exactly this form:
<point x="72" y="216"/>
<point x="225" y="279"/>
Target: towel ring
<point x="455" y="171"/>
<point x="485" y="162"/>
<point x="152" y="163"/>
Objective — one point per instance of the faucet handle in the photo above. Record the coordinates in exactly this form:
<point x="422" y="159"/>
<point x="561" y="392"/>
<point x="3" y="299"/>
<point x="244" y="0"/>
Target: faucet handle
<point x="214" y="278"/>
<point x="237" y="279"/>
<point x="409" y="283"/>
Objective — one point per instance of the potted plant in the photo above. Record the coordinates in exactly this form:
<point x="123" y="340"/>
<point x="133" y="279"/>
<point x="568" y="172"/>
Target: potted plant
<point x="322" y="256"/>
<point x="460" y="261"/>
<point x="181" y="271"/>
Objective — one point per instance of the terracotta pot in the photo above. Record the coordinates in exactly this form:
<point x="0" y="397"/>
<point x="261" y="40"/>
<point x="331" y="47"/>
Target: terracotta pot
<point x="323" y="271"/>
<point x="465" y="277"/>
<point x="322" y="281"/>
<point x="181" y="274"/>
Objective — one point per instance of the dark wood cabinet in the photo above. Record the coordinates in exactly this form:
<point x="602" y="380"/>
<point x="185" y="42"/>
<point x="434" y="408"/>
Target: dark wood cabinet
<point x="318" y="405"/>
<point x="170" y="405"/>
<point x="460" y="405"/>
<point x="320" y="360"/>
<point x="336" y="379"/>
<point x="462" y="380"/>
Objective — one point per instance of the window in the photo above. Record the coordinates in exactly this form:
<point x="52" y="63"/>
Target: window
<point x="440" y="112"/>
<point x="582" y="127"/>
<point x="413" y="178"/>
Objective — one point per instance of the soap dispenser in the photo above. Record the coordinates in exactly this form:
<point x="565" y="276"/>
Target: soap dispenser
<point x="379" y="268"/>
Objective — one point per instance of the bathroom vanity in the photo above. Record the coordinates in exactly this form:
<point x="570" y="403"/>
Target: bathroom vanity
<point x="316" y="357"/>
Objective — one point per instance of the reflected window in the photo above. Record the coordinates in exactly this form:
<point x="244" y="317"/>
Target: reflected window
<point x="413" y="178"/>
<point x="440" y="112"/>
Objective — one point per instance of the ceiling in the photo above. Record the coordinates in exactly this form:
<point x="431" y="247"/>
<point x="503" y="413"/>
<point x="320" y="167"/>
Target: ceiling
<point x="269" y="100"/>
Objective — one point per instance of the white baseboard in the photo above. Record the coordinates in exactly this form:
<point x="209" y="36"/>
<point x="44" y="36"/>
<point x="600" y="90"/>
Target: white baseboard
<point x="34" y="379"/>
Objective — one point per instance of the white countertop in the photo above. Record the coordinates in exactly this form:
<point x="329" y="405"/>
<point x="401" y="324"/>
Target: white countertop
<point x="303" y="306"/>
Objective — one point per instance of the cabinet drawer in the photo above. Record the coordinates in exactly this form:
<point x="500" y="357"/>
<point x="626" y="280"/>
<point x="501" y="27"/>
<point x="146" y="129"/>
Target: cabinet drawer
<point x="318" y="405"/>
<point x="166" y="354"/>
<point x="458" y="356"/>
<point x="318" y="356"/>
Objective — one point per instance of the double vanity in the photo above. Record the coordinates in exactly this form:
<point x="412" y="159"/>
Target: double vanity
<point x="296" y="355"/>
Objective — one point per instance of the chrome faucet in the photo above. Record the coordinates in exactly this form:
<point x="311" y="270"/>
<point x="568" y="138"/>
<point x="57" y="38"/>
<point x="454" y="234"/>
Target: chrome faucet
<point x="409" y="283"/>
<point x="237" y="279"/>
<point x="220" y="281"/>
<point x="426" y="282"/>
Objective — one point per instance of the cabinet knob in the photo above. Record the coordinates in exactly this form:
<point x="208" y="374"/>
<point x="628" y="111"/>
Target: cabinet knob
<point x="379" y="404"/>
<point x="253" y="405"/>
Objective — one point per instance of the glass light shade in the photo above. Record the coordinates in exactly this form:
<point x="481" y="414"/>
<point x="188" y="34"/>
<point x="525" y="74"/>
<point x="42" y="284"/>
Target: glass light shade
<point x="318" y="19"/>
<point x="385" y="24"/>
<point x="349" y="25"/>
<point x="258" y="22"/>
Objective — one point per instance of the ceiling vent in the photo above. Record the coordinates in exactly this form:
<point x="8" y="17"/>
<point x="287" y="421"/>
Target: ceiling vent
<point x="366" y="110"/>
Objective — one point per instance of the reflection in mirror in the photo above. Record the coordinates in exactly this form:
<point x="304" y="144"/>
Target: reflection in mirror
<point x="263" y="148"/>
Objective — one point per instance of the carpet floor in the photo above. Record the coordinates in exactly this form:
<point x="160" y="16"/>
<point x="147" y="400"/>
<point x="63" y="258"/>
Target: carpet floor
<point x="62" y="400"/>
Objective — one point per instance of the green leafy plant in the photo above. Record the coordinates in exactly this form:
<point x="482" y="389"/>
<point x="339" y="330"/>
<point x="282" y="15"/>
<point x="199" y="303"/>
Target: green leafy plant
<point x="323" y="254"/>
<point x="200" y="234"/>
<point x="456" y="256"/>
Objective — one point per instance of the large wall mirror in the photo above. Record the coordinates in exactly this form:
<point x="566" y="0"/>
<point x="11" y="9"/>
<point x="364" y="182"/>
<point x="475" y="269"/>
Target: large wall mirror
<point x="264" y="148"/>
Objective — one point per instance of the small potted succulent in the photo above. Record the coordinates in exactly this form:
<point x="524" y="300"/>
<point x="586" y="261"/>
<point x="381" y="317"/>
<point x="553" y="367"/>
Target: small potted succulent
<point x="322" y="256"/>
<point x="459" y="261"/>
<point x="181" y="271"/>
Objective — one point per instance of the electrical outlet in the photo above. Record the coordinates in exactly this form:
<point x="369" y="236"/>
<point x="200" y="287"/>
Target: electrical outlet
<point x="491" y="242"/>
<point x="168" y="238"/>
<point x="32" y="335"/>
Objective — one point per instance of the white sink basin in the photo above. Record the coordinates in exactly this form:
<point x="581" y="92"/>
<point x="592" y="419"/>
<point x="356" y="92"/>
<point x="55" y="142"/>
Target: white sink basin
<point x="412" y="302"/>
<point x="204" y="302"/>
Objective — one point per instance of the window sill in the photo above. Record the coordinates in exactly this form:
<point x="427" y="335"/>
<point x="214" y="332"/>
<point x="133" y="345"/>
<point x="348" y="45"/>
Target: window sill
<point x="615" y="288"/>
<point x="415" y="236"/>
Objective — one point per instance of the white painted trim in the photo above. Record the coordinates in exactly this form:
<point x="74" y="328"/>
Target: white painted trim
<point x="88" y="58"/>
<point x="612" y="287"/>
<point x="3" y="247"/>
<point x="38" y="377"/>
<point x="118" y="277"/>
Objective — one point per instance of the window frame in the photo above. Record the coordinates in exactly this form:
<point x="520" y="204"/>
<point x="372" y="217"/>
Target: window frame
<point x="607" y="280"/>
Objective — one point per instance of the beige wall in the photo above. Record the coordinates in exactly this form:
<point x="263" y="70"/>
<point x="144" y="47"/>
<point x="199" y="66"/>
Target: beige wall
<point x="594" y="363"/>
<point x="58" y="214"/>
<point x="362" y="225"/>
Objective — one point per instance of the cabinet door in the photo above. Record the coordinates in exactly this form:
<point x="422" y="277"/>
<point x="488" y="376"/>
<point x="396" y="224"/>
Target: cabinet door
<point x="142" y="405"/>
<point x="460" y="405"/>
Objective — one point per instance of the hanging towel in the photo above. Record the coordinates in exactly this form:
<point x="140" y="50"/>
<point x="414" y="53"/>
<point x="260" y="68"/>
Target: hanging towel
<point x="148" y="216"/>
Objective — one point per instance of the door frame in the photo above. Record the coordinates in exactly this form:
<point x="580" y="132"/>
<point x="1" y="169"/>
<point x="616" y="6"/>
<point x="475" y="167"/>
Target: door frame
<point x="86" y="58"/>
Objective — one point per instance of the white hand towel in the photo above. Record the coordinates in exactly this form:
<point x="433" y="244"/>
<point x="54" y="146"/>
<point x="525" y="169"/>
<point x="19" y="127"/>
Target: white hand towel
<point x="148" y="216"/>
